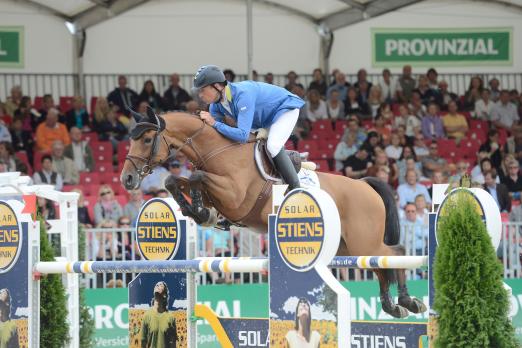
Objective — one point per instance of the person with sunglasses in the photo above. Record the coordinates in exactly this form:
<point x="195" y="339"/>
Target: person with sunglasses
<point x="107" y="210"/>
<point x="251" y="105"/>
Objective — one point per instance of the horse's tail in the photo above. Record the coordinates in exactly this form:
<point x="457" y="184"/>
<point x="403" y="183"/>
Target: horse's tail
<point x="392" y="228"/>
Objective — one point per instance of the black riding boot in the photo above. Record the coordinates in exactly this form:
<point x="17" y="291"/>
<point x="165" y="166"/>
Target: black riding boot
<point x="285" y="167"/>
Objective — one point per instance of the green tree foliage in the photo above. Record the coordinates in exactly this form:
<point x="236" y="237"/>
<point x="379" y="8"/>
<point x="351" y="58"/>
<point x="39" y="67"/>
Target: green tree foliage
<point x="86" y="321"/>
<point x="54" y="330"/>
<point x="470" y="298"/>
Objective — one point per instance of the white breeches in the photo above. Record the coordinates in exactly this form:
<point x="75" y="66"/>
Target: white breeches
<point x="280" y="131"/>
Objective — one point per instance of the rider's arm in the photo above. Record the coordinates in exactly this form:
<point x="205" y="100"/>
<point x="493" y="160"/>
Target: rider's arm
<point x="216" y="113"/>
<point x="245" y="118"/>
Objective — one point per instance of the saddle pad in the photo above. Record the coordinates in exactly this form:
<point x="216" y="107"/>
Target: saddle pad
<point x="308" y="178"/>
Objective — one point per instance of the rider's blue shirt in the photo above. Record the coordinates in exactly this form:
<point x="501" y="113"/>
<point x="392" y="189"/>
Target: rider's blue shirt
<point x="252" y="105"/>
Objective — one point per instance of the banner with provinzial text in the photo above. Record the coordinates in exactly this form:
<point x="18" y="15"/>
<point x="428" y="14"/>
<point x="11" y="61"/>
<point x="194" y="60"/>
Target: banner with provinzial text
<point x="442" y="47"/>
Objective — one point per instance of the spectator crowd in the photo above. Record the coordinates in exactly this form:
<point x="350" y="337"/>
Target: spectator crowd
<point x="411" y="131"/>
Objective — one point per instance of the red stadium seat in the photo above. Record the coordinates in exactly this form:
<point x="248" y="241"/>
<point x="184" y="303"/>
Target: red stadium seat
<point x="37" y="160"/>
<point x="89" y="178"/>
<point x="102" y="151"/>
<point x="91" y="137"/>
<point x="340" y="126"/>
<point x="322" y="165"/>
<point x="38" y="103"/>
<point x="22" y="156"/>
<point x="66" y="104"/>
<point x="93" y="104"/>
<point x="289" y="145"/>
<point x="123" y="150"/>
<point x="446" y="146"/>
<point x="110" y="178"/>
<point x="90" y="202"/>
<point x="307" y="145"/>
<point x="91" y="189"/>
<point x="319" y="155"/>
<point x="122" y="200"/>
<point x="105" y="167"/>
<point x="322" y="126"/>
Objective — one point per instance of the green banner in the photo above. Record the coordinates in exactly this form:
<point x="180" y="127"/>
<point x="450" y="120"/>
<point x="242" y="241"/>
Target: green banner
<point x="109" y="307"/>
<point x="110" y="310"/>
<point x="11" y="47"/>
<point x="442" y="47"/>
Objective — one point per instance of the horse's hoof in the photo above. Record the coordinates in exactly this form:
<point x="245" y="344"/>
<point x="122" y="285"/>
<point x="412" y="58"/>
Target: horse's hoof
<point x="413" y="304"/>
<point x="398" y="312"/>
<point x="170" y="183"/>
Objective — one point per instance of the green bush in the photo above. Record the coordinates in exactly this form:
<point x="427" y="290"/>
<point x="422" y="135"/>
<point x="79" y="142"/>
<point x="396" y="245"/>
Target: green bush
<point x="54" y="330"/>
<point x="470" y="297"/>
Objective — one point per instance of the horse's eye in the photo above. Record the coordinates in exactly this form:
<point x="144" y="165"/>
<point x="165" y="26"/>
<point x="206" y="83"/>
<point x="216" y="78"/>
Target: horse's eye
<point x="147" y="140"/>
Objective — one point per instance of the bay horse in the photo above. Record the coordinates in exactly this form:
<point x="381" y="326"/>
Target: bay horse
<point x="226" y="174"/>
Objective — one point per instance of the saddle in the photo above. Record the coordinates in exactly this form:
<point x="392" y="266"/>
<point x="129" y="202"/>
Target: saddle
<point x="265" y="167"/>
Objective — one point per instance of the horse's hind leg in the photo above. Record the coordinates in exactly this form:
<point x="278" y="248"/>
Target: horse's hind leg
<point x="386" y="276"/>
<point x="413" y="304"/>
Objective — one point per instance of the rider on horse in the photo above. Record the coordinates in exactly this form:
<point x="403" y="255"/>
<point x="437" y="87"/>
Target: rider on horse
<point x="252" y="105"/>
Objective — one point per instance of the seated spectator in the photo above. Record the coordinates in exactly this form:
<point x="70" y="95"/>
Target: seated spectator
<point x="13" y="101"/>
<point x="340" y="85"/>
<point x="513" y="180"/>
<point x="3" y="167"/>
<point x="150" y="96"/>
<point x="388" y="86"/>
<point x="177" y="170"/>
<point x="484" y="106"/>
<point x="334" y="106"/>
<point x="444" y="96"/>
<point x="186" y="165"/>
<point x="5" y="135"/>
<point x="78" y="116"/>
<point x="383" y="173"/>
<point x="373" y="140"/>
<point x="112" y="129"/>
<point x="420" y="147"/>
<point x="318" y="83"/>
<point x="492" y="149"/>
<point x="354" y="105"/>
<point x="50" y="131"/>
<point x="432" y="76"/>
<point x="22" y="140"/>
<point x="101" y="110"/>
<point x="406" y="163"/>
<point x="132" y="208"/>
<point x="400" y="120"/>
<point x="344" y="149"/>
<point x="315" y="107"/>
<point x="433" y="161"/>
<point x="123" y="97"/>
<point x="45" y="208"/>
<point x="504" y="113"/>
<point x="414" y="233"/>
<point x="432" y="127"/>
<point x="455" y="124"/>
<point x="374" y="100"/>
<point x="356" y="165"/>
<point x="230" y="76"/>
<point x="461" y="170"/>
<point x="83" y="213"/>
<point x="503" y="169"/>
<point x="8" y="157"/>
<point x="422" y="210"/>
<point x="363" y="92"/>
<point x="162" y="193"/>
<point x="175" y="97"/>
<point x="499" y="192"/>
<point x="381" y="160"/>
<point x="269" y="78"/>
<point x="48" y="104"/>
<point x="382" y="128"/>
<point x="30" y="117"/>
<point x="477" y="173"/>
<point x="362" y="84"/>
<point x="64" y="165"/>
<point x="152" y="182"/>
<point x="192" y="107"/>
<point x="394" y="150"/>
<point x="79" y="151"/>
<point x="494" y="87"/>
<point x="416" y="106"/>
<point x="47" y="176"/>
<point x="426" y="94"/>
<point x="473" y="94"/>
<point x="411" y="188"/>
<point x="291" y="81"/>
<point x="437" y="177"/>
<point x="405" y="85"/>
<point x="355" y="129"/>
<point x="107" y="210"/>
<point x="514" y="145"/>
<point x="6" y="119"/>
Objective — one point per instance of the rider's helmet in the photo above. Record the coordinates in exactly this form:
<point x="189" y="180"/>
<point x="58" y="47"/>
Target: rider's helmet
<point x="207" y="75"/>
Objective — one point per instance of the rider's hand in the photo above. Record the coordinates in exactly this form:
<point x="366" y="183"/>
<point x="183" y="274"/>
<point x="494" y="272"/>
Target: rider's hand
<point x="207" y="118"/>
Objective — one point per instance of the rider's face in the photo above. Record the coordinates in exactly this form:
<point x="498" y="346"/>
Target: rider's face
<point x="209" y="94"/>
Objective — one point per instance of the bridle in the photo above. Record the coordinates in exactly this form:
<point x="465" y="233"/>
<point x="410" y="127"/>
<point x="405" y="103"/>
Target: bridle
<point x="149" y="162"/>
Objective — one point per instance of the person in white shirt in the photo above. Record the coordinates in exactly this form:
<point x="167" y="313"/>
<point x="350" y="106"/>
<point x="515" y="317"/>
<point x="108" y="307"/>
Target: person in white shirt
<point x="394" y="150"/>
<point x="388" y="86"/>
<point x="484" y="106"/>
<point x="344" y="149"/>
<point x="504" y="113"/>
<point x="315" y="107"/>
<point x="334" y="106"/>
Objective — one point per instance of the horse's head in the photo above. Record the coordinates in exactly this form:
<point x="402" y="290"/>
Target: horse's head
<point x="148" y="149"/>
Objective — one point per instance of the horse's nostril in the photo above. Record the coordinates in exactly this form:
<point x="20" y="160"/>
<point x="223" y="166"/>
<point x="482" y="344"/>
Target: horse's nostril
<point x="129" y="180"/>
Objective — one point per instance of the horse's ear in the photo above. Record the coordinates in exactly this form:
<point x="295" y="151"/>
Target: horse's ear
<point x="137" y="116"/>
<point x="153" y="118"/>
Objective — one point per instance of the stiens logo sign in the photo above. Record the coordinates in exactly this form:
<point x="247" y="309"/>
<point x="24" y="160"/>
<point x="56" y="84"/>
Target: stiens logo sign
<point x="300" y="230"/>
<point x="157" y="231"/>
<point x="10" y="237"/>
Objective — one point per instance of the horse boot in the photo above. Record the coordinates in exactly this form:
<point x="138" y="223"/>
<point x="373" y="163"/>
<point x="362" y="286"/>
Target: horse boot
<point x="286" y="169"/>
